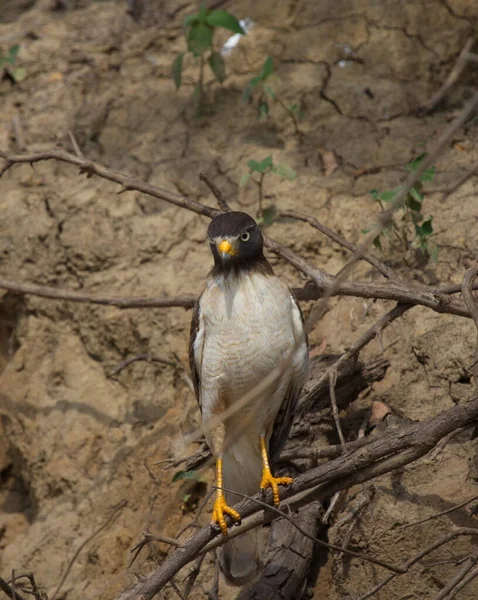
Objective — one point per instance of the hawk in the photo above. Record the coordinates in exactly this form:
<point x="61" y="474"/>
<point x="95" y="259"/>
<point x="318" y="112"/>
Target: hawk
<point x="245" y="323"/>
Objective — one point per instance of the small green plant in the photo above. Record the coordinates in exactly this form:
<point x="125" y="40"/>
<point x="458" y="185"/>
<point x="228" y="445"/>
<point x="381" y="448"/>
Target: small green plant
<point x="262" y="168"/>
<point x="411" y="216"/>
<point x="264" y="84"/>
<point x="193" y="491"/>
<point x="199" y="32"/>
<point x="7" y="65"/>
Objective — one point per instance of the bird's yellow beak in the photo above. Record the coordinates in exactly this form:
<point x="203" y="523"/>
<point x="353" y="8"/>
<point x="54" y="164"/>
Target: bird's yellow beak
<point x="225" y="247"/>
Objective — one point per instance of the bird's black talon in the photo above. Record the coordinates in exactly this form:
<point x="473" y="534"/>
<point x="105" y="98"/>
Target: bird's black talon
<point x="237" y="523"/>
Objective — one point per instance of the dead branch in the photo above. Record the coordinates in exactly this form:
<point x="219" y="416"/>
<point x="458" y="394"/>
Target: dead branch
<point x="383" y="268"/>
<point x="9" y="591"/>
<point x="462" y="573"/>
<point x="452" y="78"/>
<point x="113" y="514"/>
<point x="441" y="514"/>
<point x="316" y="540"/>
<point x="462" y="531"/>
<point x="186" y="301"/>
<point x="146" y="358"/>
<point x="223" y="205"/>
<point x="393" y="450"/>
<point x="472" y="304"/>
<point x="363" y="340"/>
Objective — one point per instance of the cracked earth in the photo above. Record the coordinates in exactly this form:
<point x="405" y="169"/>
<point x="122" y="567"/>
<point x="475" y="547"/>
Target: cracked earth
<point x="73" y="440"/>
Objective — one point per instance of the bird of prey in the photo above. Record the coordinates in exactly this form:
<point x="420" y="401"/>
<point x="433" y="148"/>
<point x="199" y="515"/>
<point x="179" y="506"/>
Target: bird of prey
<point x="245" y="324"/>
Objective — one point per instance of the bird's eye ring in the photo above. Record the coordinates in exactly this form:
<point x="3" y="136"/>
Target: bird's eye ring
<point x="245" y="236"/>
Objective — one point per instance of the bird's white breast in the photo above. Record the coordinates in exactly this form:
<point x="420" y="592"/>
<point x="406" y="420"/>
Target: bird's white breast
<point x="248" y="323"/>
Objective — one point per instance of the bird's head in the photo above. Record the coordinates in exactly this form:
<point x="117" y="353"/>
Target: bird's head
<point x="236" y="240"/>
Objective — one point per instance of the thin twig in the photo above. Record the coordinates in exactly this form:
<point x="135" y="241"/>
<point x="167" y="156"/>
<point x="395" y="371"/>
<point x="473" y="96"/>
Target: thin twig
<point x="221" y="201"/>
<point x="462" y="573"/>
<point x="75" y="145"/>
<point x="412" y="561"/>
<point x="316" y="540"/>
<point x="450" y="81"/>
<point x="335" y="410"/>
<point x="143" y="357"/>
<point x="472" y="305"/>
<point x="440" y="514"/>
<point x="192" y="576"/>
<point x="113" y="514"/>
<point x="383" y="268"/>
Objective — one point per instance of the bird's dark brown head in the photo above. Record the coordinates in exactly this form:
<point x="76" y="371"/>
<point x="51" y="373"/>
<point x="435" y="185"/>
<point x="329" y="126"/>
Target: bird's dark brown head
<point x="236" y="243"/>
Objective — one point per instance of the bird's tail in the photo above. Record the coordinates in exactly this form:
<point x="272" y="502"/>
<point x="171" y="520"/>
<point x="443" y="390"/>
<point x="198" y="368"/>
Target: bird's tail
<point x="241" y="559"/>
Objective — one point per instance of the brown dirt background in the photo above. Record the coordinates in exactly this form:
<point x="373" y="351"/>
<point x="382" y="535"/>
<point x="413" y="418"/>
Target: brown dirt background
<point x="73" y="441"/>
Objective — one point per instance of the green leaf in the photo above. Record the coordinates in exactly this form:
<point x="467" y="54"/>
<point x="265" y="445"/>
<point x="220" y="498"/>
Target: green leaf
<point x="254" y="165"/>
<point x="12" y="54"/>
<point x="186" y="498"/>
<point x="260" y="167"/>
<point x="269" y="215"/>
<point x="383" y="196"/>
<point x="246" y="94"/>
<point x="377" y="243"/>
<point x="244" y="180"/>
<point x="202" y="14"/>
<point x="191" y="20"/>
<point x="199" y="38"/>
<point x="285" y="171"/>
<point x="414" y="199"/>
<point x="374" y="194"/>
<point x="428" y="175"/>
<point x="269" y="91"/>
<point x="177" y="69"/>
<point x="263" y="110"/>
<point x="267" y="68"/>
<point x="218" y="66"/>
<point x="19" y="74"/>
<point x="427" y="227"/>
<point x="266" y="163"/>
<point x="180" y="475"/>
<point x="416" y="162"/>
<point x="222" y="18"/>
<point x="293" y="108"/>
<point x="387" y="196"/>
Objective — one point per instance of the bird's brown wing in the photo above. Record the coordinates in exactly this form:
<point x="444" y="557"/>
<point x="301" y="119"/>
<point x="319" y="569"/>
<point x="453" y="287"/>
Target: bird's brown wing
<point x="195" y="322"/>
<point x="285" y="416"/>
<point x="283" y="422"/>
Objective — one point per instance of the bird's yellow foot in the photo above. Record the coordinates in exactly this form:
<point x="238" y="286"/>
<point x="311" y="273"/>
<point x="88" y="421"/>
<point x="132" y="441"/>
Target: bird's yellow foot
<point x="221" y="508"/>
<point x="268" y="480"/>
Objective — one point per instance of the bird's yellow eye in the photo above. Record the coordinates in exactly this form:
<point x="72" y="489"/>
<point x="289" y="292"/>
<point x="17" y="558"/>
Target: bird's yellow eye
<point x="245" y="236"/>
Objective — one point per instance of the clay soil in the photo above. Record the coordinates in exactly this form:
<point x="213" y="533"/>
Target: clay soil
<point x="76" y="442"/>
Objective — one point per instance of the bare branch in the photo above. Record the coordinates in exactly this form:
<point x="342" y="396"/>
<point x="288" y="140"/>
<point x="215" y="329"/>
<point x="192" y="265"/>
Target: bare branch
<point x="462" y="573"/>
<point x="452" y="78"/>
<point x="143" y="357"/>
<point x="113" y="514"/>
<point x="389" y="452"/>
<point x="462" y="531"/>
<point x="374" y="261"/>
<point x="223" y="205"/>
<point x="316" y="540"/>
<point x="9" y="591"/>
<point x="472" y="304"/>
<point x="442" y="513"/>
<point x="186" y="301"/>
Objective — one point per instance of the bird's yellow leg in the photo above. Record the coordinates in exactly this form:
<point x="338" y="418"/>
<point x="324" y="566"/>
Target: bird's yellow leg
<point x="268" y="480"/>
<point x="221" y="508"/>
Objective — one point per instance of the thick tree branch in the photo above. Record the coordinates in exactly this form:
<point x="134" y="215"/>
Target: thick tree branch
<point x="393" y="450"/>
